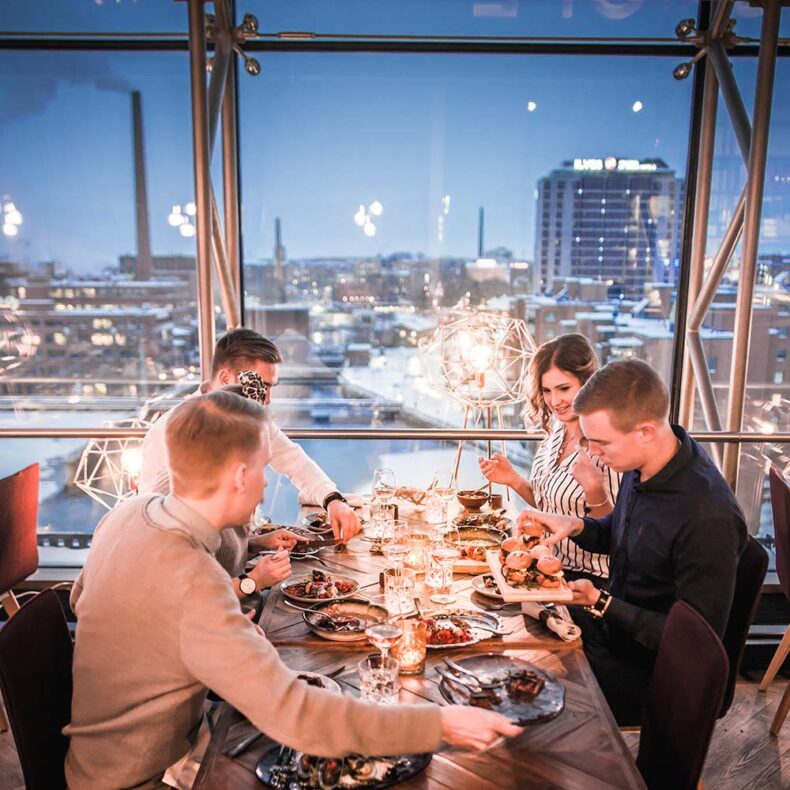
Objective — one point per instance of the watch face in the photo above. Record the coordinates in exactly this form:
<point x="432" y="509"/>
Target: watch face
<point x="247" y="585"/>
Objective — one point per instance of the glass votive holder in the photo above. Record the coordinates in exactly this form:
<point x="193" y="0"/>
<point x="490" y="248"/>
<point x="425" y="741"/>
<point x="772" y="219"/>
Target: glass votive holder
<point x="378" y="679"/>
<point x="409" y="650"/>
<point x="399" y="591"/>
<point x="419" y="555"/>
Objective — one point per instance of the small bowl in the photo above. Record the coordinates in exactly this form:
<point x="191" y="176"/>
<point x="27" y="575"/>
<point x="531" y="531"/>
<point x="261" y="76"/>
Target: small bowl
<point x="472" y="500"/>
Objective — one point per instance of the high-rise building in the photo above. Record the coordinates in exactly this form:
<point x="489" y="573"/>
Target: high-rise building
<point x="611" y="219"/>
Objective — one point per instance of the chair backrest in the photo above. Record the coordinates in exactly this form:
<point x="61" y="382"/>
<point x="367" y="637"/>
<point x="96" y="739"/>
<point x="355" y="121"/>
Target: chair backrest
<point x="18" y="513"/>
<point x="780" y="505"/>
<point x="35" y="678"/>
<point x="683" y="701"/>
<point x="749" y="578"/>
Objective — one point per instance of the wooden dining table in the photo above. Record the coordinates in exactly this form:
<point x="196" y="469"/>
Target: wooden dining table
<point x="581" y="749"/>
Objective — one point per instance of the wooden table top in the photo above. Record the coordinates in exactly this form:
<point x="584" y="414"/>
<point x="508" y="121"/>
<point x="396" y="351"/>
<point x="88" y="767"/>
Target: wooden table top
<point x="581" y="749"/>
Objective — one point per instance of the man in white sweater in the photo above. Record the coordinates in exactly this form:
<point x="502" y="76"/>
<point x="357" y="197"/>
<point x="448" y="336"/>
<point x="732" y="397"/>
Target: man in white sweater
<point x="158" y="623"/>
<point x="238" y="350"/>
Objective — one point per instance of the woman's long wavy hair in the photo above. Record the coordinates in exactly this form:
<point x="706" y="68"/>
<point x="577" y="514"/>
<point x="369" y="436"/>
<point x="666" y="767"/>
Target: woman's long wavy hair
<point x="572" y="354"/>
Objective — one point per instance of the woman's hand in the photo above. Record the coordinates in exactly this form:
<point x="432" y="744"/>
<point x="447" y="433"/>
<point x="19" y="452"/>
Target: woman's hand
<point x="498" y="469"/>
<point x="272" y="569"/>
<point x="588" y="475"/>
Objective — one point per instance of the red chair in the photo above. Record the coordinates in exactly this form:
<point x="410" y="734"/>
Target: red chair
<point x="35" y="678"/>
<point x="780" y="504"/>
<point x="683" y="701"/>
<point x="18" y="546"/>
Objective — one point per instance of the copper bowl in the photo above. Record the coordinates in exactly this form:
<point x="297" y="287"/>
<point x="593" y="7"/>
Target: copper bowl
<point x="472" y="500"/>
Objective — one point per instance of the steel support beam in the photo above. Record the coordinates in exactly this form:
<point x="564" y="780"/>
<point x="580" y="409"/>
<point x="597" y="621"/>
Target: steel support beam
<point x="758" y="154"/>
<point x="732" y="96"/>
<point x="230" y="174"/>
<point x="699" y="240"/>
<point x="201" y="164"/>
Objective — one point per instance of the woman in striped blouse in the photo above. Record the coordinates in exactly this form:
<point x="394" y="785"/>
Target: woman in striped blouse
<point x="565" y="478"/>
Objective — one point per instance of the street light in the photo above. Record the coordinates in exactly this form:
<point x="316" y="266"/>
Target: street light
<point x="181" y="216"/>
<point x="12" y="217"/>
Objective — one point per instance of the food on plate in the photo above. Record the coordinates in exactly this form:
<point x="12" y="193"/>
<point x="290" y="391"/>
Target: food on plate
<point x="523" y="685"/>
<point x="474" y="549"/>
<point x="527" y="562"/>
<point x="319" y="585"/>
<point x="448" y="630"/>
<point x="332" y="619"/>
<point x="471" y="499"/>
<point x="467" y="519"/>
<point x="490" y="583"/>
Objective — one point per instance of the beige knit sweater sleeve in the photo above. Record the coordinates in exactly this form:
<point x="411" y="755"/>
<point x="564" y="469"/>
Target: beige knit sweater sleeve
<point x="234" y="660"/>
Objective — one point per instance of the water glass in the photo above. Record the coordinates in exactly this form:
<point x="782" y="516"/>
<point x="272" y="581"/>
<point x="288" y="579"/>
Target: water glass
<point x="399" y="591"/>
<point x="378" y="680"/>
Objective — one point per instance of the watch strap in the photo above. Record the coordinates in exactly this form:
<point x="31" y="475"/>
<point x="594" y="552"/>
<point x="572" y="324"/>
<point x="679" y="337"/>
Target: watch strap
<point x="335" y="496"/>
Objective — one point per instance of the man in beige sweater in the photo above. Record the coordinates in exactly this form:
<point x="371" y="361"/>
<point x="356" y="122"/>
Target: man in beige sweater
<point x="158" y="623"/>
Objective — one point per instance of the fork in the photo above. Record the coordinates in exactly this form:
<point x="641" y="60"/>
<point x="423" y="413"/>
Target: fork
<point x="474" y="691"/>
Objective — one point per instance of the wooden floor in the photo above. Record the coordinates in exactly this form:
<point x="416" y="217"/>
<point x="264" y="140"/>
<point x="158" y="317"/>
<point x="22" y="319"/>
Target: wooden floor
<point x="742" y="754"/>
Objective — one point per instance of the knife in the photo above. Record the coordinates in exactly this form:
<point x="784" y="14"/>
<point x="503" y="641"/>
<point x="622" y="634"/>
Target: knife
<point x="312" y="545"/>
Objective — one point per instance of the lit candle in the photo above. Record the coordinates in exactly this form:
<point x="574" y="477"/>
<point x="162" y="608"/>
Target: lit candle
<point x="417" y="558"/>
<point x="410" y="649"/>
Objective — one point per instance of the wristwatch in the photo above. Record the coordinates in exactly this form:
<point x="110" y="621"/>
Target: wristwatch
<point x="335" y="496"/>
<point x="247" y="584"/>
<point x="599" y="607"/>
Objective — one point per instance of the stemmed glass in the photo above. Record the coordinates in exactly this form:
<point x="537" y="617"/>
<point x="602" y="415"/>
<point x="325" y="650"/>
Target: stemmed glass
<point x="382" y="633"/>
<point x="395" y="544"/>
<point x="444" y="552"/>
<point x="443" y="487"/>
<point x="384" y="485"/>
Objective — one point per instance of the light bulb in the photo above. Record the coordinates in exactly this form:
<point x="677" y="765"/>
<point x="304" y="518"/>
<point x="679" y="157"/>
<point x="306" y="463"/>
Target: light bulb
<point x="10" y="229"/>
<point x="369" y="229"/>
<point x="360" y="217"/>
<point x="376" y="208"/>
<point x="187" y="230"/>
<point x="190" y="209"/>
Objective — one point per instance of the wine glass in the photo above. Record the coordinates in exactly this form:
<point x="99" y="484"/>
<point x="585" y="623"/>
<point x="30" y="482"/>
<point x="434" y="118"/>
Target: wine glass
<point x="384" y="485"/>
<point x="443" y="487"/>
<point x="395" y="543"/>
<point x="444" y="553"/>
<point x="382" y="629"/>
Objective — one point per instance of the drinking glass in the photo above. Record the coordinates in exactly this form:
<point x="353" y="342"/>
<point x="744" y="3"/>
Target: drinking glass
<point x="382" y="632"/>
<point x="444" y="554"/>
<point x="384" y="485"/>
<point x="378" y="680"/>
<point x="399" y="591"/>
<point x="395" y="542"/>
<point x="443" y="487"/>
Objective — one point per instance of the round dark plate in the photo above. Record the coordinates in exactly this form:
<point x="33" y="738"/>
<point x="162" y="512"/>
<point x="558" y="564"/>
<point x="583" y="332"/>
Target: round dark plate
<point x="355" y="607"/>
<point x="547" y="705"/>
<point x="388" y="771"/>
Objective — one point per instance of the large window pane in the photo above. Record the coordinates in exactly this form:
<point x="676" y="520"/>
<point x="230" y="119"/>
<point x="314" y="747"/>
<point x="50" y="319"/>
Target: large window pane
<point x="85" y="322"/>
<point x="375" y="169"/>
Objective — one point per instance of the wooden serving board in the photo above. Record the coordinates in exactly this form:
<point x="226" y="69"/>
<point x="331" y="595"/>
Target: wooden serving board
<point x="562" y="594"/>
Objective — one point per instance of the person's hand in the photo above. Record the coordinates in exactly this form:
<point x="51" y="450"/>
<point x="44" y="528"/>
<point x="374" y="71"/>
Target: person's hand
<point x="498" y="469"/>
<point x="272" y="569"/>
<point x="279" y="539"/>
<point x="561" y="527"/>
<point x="588" y="475"/>
<point x="585" y="593"/>
<point x="475" y="728"/>
<point x="344" y="521"/>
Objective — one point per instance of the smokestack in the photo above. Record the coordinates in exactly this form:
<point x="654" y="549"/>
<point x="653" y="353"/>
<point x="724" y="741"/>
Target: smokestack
<point x="279" y="253"/>
<point x="480" y="224"/>
<point x="144" y="262"/>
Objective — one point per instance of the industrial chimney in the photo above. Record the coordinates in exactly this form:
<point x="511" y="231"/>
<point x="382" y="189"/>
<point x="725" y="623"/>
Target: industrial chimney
<point x="144" y="266"/>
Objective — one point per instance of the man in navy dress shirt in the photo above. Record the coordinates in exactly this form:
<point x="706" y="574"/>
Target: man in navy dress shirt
<point x="676" y="531"/>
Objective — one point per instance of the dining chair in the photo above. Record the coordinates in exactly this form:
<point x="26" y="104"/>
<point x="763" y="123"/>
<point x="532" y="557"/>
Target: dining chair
<point x="18" y="539"/>
<point x="683" y="701"/>
<point x="35" y="679"/>
<point x="752" y="567"/>
<point x="780" y="505"/>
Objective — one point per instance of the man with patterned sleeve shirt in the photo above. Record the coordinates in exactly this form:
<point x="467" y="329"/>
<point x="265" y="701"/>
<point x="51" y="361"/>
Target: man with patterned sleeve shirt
<point x="676" y="531"/>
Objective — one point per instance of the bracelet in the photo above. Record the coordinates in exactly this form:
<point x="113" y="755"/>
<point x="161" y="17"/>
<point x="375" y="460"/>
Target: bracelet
<point x="588" y="506"/>
<point x="598" y="609"/>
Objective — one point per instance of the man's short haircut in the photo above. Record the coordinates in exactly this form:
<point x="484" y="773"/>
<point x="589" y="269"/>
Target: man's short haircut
<point x="239" y="349"/>
<point x="205" y="433"/>
<point x="629" y="390"/>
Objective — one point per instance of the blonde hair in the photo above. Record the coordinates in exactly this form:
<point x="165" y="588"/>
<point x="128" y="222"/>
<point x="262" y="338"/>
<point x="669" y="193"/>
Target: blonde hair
<point x="629" y="390"/>
<point x="570" y="353"/>
<point x="204" y="433"/>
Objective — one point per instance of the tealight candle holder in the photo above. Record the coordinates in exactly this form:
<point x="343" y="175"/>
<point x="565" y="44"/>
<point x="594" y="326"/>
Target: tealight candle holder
<point x="411" y="648"/>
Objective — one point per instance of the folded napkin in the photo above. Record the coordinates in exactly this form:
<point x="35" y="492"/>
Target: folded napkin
<point x="555" y="619"/>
